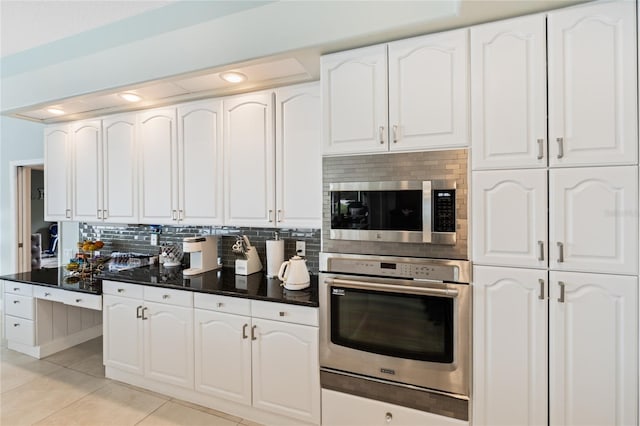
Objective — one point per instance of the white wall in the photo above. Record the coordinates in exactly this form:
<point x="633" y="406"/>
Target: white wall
<point x="19" y="140"/>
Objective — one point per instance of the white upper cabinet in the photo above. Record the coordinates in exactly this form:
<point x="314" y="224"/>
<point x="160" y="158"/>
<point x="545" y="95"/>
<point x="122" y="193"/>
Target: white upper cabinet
<point x="593" y="85"/>
<point x="509" y="218"/>
<point x="354" y="101"/>
<point x="86" y="139"/>
<point x="57" y="173"/>
<point x="200" y="163"/>
<point x="119" y="167"/>
<point x="181" y="164"/>
<point x="249" y="160"/>
<point x="593" y="349"/>
<point x="510" y="346"/>
<point x="298" y="157"/>
<point x="421" y="104"/>
<point x="157" y="167"/>
<point x="593" y="219"/>
<point x="429" y="92"/>
<point x="508" y="94"/>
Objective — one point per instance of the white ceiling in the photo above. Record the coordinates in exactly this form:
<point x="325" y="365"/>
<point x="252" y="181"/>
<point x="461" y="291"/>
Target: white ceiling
<point x="25" y="24"/>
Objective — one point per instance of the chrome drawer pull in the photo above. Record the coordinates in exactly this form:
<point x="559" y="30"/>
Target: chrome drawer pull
<point x="561" y="298"/>
<point x="16" y="324"/>
<point x="16" y="289"/>
<point x="244" y="331"/>
<point x="78" y="300"/>
<point x="121" y="290"/>
<point x="16" y="301"/>
<point x="253" y="333"/>
<point x="381" y="132"/>
<point x="388" y="417"/>
<point x="47" y="294"/>
<point x="165" y="296"/>
<point x="560" y="252"/>
<point x="282" y="313"/>
<point x="560" y="147"/>
<point x="541" y="282"/>
<point x="138" y="314"/>
<point x="541" y="253"/>
<point x="219" y="304"/>
<point x="540" y="149"/>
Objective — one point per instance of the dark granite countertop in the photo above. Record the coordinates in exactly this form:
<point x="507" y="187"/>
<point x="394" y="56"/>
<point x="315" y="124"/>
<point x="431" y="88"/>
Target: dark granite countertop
<point x="224" y="282"/>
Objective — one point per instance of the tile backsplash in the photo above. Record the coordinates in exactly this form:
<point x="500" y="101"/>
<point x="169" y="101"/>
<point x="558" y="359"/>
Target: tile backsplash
<point x="136" y="238"/>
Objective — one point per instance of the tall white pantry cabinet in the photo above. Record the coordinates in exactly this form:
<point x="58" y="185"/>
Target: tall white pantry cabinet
<point x="555" y="214"/>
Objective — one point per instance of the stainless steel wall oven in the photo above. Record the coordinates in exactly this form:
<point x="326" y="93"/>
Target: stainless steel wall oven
<point x="397" y="323"/>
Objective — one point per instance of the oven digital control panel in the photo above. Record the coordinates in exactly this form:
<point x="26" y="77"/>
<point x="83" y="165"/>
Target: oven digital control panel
<point x="407" y="270"/>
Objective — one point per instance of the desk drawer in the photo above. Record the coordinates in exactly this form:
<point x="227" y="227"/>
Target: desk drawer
<point x="49" y="293"/>
<point x="84" y="300"/>
<point x="19" y="306"/>
<point x="19" y="330"/>
<point x="18" y="288"/>
<point x="284" y="312"/>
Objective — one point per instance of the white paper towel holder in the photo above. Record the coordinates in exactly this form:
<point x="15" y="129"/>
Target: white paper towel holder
<point x="275" y="255"/>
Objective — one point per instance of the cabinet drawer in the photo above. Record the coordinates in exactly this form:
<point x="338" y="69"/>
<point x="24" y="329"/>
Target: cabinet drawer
<point x="18" y="288"/>
<point x="232" y="305"/>
<point x="284" y="312"/>
<point x="49" y="293"/>
<point x="19" y="306"/>
<point x="122" y="289"/>
<point x="168" y="296"/>
<point x="83" y="300"/>
<point x="19" y="330"/>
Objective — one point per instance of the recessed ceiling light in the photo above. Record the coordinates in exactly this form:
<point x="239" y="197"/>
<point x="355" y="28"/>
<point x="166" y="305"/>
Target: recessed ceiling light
<point x="130" y="97"/>
<point x="56" y="111"/>
<point x="233" y="77"/>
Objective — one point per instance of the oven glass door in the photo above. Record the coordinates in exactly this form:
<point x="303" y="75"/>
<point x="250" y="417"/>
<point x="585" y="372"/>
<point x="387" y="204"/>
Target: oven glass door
<point x="409" y="326"/>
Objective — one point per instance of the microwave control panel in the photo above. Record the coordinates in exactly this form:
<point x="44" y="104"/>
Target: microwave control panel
<point x="444" y="210"/>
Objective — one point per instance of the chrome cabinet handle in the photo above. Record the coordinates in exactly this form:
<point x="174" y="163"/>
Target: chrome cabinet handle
<point x="541" y="282"/>
<point x="219" y="304"/>
<point x="15" y="324"/>
<point x="244" y="331"/>
<point x="78" y="300"/>
<point x="180" y="214"/>
<point x="165" y="296"/>
<point x="98" y="214"/>
<point x="395" y="133"/>
<point x="105" y="214"/>
<point x="174" y="215"/>
<point x="541" y="250"/>
<point x="253" y="332"/>
<point x="138" y="314"/>
<point x="47" y="294"/>
<point x="540" y="149"/>
<point x="279" y="215"/>
<point x="16" y="301"/>
<point x="560" y="147"/>
<point x="143" y="317"/>
<point x="388" y="417"/>
<point x="561" y="298"/>
<point x="282" y="313"/>
<point x="121" y="290"/>
<point x="560" y="252"/>
<point x="381" y="134"/>
<point x="67" y="213"/>
<point x="16" y="289"/>
<point x="270" y="215"/>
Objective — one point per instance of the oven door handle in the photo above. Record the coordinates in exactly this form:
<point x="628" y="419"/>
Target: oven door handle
<point x="441" y="292"/>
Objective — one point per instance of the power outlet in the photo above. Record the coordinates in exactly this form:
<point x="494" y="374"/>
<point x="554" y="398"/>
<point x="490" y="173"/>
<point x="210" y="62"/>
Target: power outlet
<point x="301" y="248"/>
<point x="153" y="239"/>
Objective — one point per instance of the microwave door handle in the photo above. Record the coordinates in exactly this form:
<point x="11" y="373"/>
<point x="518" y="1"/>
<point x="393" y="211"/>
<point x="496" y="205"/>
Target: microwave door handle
<point x="392" y="287"/>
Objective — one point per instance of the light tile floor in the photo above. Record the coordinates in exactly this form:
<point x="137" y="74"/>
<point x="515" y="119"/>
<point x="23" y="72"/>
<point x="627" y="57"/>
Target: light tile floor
<point x="69" y="388"/>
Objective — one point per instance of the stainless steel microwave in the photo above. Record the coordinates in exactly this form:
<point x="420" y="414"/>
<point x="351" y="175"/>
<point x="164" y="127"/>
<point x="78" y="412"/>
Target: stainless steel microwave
<point x="394" y="211"/>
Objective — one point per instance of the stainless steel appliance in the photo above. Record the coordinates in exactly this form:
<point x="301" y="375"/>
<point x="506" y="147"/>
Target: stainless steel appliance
<point x="395" y="211"/>
<point x="397" y="329"/>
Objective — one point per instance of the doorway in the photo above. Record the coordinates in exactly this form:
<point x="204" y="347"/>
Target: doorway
<point x="37" y="239"/>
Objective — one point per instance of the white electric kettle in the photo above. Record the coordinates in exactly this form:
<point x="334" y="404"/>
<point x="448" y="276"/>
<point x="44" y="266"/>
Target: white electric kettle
<point x="294" y="273"/>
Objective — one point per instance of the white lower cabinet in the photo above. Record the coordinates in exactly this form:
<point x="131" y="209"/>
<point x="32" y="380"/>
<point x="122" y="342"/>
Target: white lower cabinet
<point x="592" y="341"/>
<point x="148" y="338"/>
<point x="269" y="364"/>
<point x="341" y="409"/>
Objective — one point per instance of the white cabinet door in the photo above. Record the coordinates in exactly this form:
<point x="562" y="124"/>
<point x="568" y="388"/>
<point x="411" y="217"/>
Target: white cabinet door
<point x="200" y="162"/>
<point x="168" y="343"/>
<point x="157" y="166"/>
<point x="354" y="101"/>
<point x="119" y="165"/>
<point x="593" y="219"/>
<point x="286" y="370"/>
<point x="509" y="346"/>
<point x="509" y="218"/>
<point x="223" y="355"/>
<point x="593" y="357"/>
<point x="341" y="409"/>
<point x="57" y="173"/>
<point x="122" y="334"/>
<point x="592" y="85"/>
<point x="249" y="160"/>
<point x="298" y="157"/>
<point x="86" y="140"/>
<point x="508" y="93"/>
<point x="429" y="92"/>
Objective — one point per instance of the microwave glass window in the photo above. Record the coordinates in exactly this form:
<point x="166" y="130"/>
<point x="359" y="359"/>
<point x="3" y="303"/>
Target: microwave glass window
<point x="400" y="325"/>
<point x="377" y="210"/>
